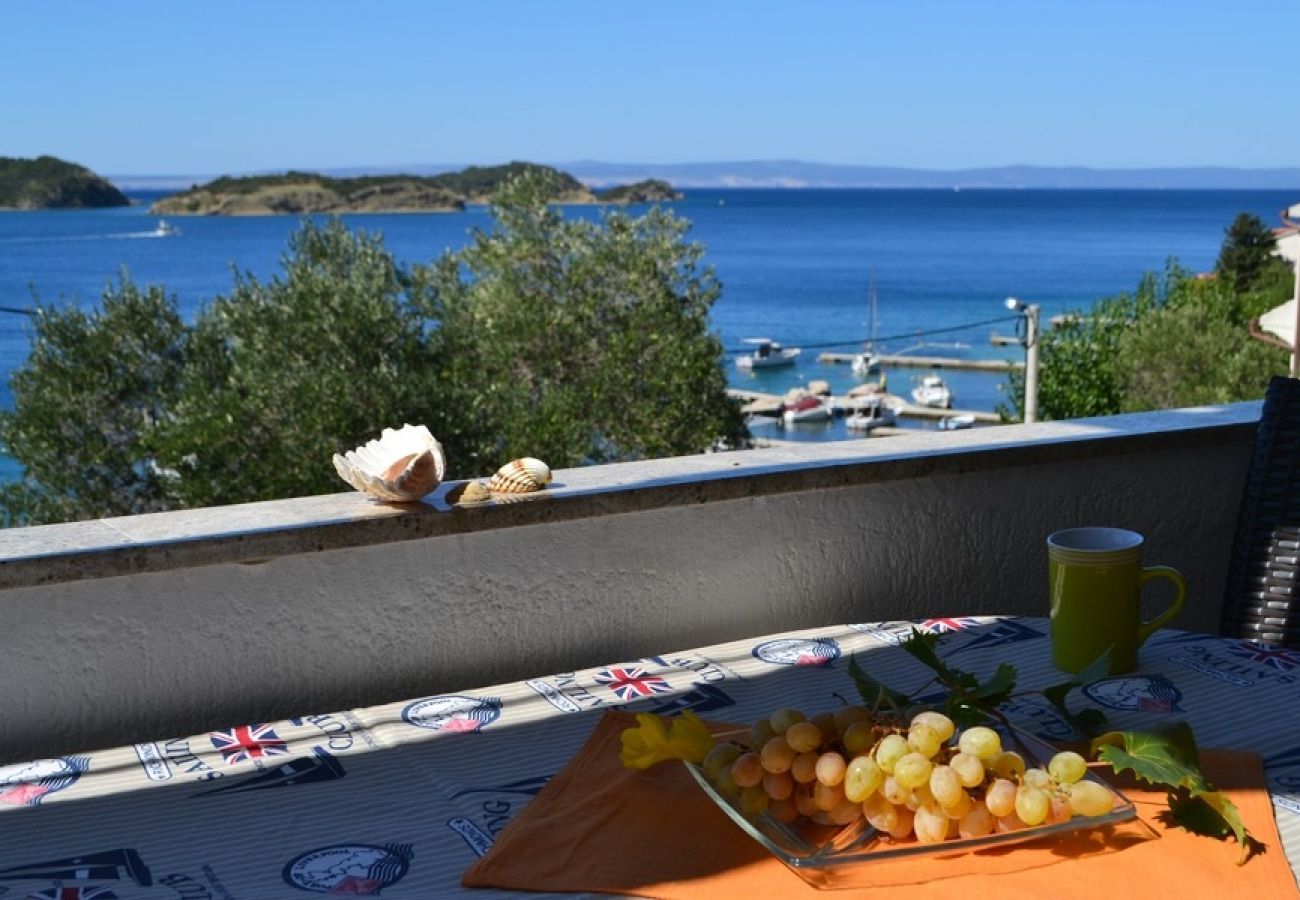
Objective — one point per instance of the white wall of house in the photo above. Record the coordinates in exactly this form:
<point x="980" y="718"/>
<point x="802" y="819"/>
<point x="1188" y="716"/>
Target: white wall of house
<point x="132" y="629"/>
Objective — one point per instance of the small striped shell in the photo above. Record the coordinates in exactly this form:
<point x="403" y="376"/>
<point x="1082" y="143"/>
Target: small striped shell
<point x="403" y="464"/>
<point x="519" y="476"/>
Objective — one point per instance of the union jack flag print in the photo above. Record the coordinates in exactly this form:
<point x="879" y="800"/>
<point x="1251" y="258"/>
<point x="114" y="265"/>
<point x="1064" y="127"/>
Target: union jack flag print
<point x="1277" y="657"/>
<point x="95" y="892"/>
<point x="943" y="626"/>
<point x="248" y="742"/>
<point x="632" y="682"/>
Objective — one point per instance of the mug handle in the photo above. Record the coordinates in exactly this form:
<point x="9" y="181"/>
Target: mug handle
<point x="1146" y="629"/>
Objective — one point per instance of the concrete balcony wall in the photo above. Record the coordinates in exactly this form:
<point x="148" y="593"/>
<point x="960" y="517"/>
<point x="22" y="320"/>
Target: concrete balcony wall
<point x="162" y="625"/>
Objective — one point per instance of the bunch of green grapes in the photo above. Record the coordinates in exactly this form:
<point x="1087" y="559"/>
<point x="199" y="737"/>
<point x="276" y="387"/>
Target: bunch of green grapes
<point x="924" y="780"/>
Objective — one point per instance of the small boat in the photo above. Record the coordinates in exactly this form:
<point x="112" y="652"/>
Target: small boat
<point x="957" y="422"/>
<point x="165" y="229"/>
<point x="810" y="408"/>
<point x="869" y="413"/>
<point x="865" y="363"/>
<point x="933" y="392"/>
<point x="766" y="354"/>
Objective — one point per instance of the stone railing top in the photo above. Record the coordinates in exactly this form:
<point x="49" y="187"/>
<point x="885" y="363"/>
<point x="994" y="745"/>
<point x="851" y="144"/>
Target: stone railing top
<point x="252" y="532"/>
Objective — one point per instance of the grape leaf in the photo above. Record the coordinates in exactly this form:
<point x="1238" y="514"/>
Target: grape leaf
<point x="997" y="689"/>
<point x="1089" y="722"/>
<point x="1165" y="755"/>
<point x="874" y="693"/>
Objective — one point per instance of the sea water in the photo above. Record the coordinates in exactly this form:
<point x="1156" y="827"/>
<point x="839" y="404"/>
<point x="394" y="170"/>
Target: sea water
<point x="797" y="266"/>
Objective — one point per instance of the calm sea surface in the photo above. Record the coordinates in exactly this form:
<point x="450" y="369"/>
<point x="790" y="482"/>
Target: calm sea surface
<point x="795" y="265"/>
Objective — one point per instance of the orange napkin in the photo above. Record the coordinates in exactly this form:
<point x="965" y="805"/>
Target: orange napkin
<point x="601" y="828"/>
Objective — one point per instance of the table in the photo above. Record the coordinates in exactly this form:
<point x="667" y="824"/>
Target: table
<point x="402" y="797"/>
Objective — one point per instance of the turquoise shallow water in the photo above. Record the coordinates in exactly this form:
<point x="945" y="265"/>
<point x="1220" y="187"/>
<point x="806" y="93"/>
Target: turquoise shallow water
<point x="795" y="265"/>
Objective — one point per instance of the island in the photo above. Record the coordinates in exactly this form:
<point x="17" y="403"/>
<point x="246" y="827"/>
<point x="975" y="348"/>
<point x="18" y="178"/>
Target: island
<point x="308" y="192"/>
<point x="51" y="183"/>
<point x="652" y="190"/>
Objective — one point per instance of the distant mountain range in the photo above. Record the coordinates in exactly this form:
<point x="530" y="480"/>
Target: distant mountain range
<point x="799" y="174"/>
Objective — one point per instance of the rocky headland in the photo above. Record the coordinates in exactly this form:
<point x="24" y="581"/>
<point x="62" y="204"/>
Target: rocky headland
<point x="51" y="183"/>
<point x="306" y="192"/>
<point x="652" y="190"/>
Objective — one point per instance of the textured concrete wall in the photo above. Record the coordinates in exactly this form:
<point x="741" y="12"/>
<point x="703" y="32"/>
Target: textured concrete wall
<point x="111" y="660"/>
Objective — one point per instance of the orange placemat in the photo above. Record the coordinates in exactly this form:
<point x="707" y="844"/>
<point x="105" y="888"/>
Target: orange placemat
<point x="598" y="827"/>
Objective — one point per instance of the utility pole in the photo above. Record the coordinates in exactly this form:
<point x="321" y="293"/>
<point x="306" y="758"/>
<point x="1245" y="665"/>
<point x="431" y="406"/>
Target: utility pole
<point x="1030" y="311"/>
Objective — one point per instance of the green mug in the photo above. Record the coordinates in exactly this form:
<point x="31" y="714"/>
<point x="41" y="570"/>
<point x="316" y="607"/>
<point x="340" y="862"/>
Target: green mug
<point x="1096" y="576"/>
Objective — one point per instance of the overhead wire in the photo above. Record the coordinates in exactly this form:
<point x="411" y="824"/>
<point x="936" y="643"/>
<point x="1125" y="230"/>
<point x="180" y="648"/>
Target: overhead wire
<point x="899" y="337"/>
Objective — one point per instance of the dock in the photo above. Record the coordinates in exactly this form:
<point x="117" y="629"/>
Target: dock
<point x="758" y="403"/>
<point x="930" y="362"/>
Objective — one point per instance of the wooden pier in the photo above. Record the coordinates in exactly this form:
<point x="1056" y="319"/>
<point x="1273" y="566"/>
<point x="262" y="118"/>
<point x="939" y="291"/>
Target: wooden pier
<point x="930" y="362"/>
<point x="758" y="403"/>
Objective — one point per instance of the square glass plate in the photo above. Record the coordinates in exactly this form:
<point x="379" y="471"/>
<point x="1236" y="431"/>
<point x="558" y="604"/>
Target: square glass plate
<point x="806" y="844"/>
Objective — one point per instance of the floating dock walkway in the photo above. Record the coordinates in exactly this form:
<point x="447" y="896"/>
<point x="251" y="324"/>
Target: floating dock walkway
<point x="758" y="403"/>
<point x="930" y="362"/>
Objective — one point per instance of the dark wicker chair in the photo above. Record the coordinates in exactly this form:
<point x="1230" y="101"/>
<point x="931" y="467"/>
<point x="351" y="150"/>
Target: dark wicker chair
<point x="1262" y="597"/>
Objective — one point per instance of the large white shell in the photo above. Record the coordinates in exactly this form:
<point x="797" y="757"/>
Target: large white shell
<point x="403" y="464"/>
<point x="519" y="476"/>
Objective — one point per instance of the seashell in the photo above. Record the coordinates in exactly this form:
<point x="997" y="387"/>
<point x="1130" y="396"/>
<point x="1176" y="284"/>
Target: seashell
<point x="519" y="476"/>
<point x="473" y="492"/>
<point x="403" y="464"/>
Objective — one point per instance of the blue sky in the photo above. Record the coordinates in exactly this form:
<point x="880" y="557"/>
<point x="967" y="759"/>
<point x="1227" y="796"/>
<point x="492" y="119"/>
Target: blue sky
<point x="208" y="88"/>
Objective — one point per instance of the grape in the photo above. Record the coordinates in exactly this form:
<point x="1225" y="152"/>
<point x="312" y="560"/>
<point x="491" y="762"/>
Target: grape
<point x="858" y="738"/>
<point x="830" y="768"/>
<point x="720" y="757"/>
<point x="747" y="770"/>
<point x="761" y="733"/>
<point x="846" y="812"/>
<point x="1032" y="804"/>
<point x="976" y="823"/>
<point x="804" y="768"/>
<point x="779" y="786"/>
<point x="1001" y="798"/>
<point x="826" y="797"/>
<point x="924" y="740"/>
<point x="969" y="769"/>
<point x="803" y="800"/>
<point x="894" y="792"/>
<point x="1010" y="823"/>
<point x="726" y="785"/>
<point x="1067" y="767"/>
<point x="782" y="719"/>
<point x="930" y="824"/>
<point x="784" y="811"/>
<point x="825" y="722"/>
<point x="961" y="807"/>
<point x="861" y="778"/>
<point x="847" y="715"/>
<point x="1059" y="811"/>
<point x="980" y="741"/>
<point x="803" y="736"/>
<point x="1036" y="778"/>
<point x="1088" y="798"/>
<point x="918" y="796"/>
<point x="882" y="814"/>
<point x="777" y="755"/>
<point x="903" y="828"/>
<point x="936" y="720"/>
<point x="890" y="750"/>
<point x="912" y="770"/>
<point x="753" y="801"/>
<point x="944" y="785"/>
<point x="1008" y="764"/>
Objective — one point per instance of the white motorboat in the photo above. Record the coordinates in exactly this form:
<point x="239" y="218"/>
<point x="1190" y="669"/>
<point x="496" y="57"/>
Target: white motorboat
<point x="766" y="354"/>
<point x="869" y="413"/>
<point x="933" y="392"/>
<point x="810" y="408"/>
<point x="865" y="363"/>
<point x="957" y="422"/>
<point x="165" y="229"/>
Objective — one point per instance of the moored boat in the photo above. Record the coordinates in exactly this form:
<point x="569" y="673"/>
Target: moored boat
<point x="933" y="392"/>
<point x="766" y="354"/>
<point x="809" y="408"/>
<point x="869" y="413"/>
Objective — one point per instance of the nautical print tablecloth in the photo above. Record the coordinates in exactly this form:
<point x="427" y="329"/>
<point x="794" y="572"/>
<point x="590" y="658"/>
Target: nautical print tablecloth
<point x="401" y="798"/>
